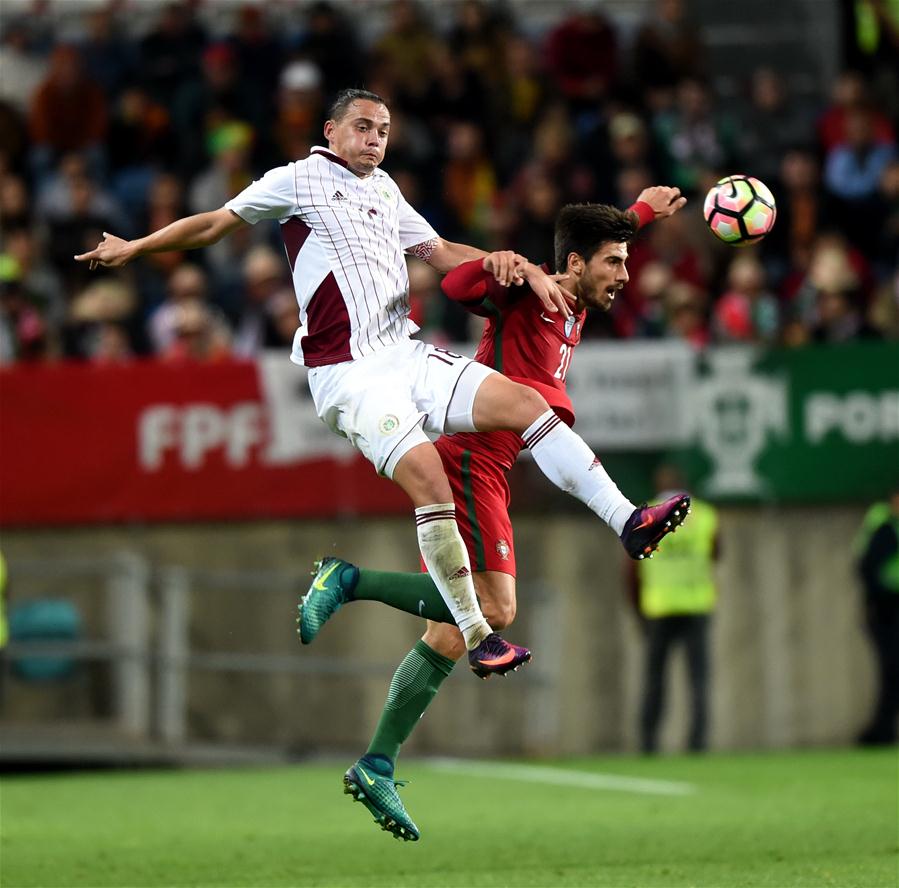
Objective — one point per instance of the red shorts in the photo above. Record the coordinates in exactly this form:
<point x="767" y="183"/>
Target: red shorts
<point x="481" y="493"/>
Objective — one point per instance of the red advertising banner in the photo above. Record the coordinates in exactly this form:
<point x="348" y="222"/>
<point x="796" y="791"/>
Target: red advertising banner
<point x="158" y="442"/>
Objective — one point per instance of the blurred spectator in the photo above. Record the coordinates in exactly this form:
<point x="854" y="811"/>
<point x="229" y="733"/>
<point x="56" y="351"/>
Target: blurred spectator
<point x="887" y="241"/>
<point x="877" y="553"/>
<point x="746" y="312"/>
<point x="187" y="283"/>
<point x="455" y="94"/>
<point x="201" y="107"/>
<point x="667" y="49"/>
<point x="23" y="331"/>
<point x="170" y="53"/>
<point x="406" y="49"/>
<point x="801" y="210"/>
<point x="852" y="174"/>
<point x="111" y="344"/>
<point x="830" y="301"/>
<point x="265" y="281"/>
<point x="68" y="113"/>
<point x="199" y="335"/>
<point x="469" y="183"/>
<point x="103" y="303"/>
<point x="582" y="58"/>
<point x="692" y="136"/>
<point x="533" y="230"/>
<point x="15" y="203"/>
<point x="771" y="125"/>
<point x="259" y="55"/>
<point x="14" y="141"/>
<point x="109" y="56"/>
<point x="300" y="111"/>
<point x="848" y="92"/>
<point x="330" y="43"/>
<point x="23" y="69"/>
<point x="140" y="142"/>
<point x="685" y="312"/>
<point x="40" y="283"/>
<point x="520" y="94"/>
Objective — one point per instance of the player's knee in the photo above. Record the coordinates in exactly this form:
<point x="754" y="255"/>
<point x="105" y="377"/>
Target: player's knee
<point x="530" y="405"/>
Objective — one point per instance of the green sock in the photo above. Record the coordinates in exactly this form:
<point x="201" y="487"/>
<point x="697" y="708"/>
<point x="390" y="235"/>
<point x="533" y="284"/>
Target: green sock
<point x="413" y="593"/>
<point x="414" y="685"/>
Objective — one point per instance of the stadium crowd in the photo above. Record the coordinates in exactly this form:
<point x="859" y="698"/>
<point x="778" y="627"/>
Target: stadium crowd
<point x="107" y="127"/>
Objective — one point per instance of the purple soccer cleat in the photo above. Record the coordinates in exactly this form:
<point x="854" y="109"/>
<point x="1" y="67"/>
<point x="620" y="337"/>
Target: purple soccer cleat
<point x="649" y="524"/>
<point x="496" y="656"/>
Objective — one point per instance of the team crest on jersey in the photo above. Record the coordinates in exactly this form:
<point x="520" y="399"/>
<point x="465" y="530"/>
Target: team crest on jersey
<point x="388" y="424"/>
<point x="387" y="194"/>
<point x="571" y="324"/>
<point x="503" y="549"/>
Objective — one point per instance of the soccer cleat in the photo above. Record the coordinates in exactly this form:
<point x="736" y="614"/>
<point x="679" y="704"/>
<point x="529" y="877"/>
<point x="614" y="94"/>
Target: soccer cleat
<point x="649" y="524"/>
<point x="496" y="656"/>
<point x="365" y="783"/>
<point x="332" y="587"/>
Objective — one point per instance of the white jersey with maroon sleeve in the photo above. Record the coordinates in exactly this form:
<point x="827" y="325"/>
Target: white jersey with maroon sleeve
<point x="345" y="237"/>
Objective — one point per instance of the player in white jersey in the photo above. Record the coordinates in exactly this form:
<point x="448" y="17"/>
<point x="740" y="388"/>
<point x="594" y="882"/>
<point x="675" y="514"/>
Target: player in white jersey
<point x="346" y="227"/>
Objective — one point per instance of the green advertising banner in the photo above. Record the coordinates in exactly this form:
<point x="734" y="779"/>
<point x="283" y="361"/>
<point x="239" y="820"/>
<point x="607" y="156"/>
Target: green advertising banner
<point x="813" y="424"/>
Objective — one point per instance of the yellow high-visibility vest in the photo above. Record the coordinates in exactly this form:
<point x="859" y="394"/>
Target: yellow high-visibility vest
<point x="679" y="579"/>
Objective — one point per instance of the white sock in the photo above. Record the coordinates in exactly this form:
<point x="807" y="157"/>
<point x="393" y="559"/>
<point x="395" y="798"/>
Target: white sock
<point x="447" y="561"/>
<point x="573" y="467"/>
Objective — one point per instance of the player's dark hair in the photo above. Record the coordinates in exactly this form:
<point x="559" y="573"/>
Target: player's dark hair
<point x="341" y="104"/>
<point x="584" y="228"/>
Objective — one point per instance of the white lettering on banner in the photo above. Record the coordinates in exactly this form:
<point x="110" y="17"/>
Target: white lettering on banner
<point x="194" y="431"/>
<point x="860" y="417"/>
<point x="281" y="429"/>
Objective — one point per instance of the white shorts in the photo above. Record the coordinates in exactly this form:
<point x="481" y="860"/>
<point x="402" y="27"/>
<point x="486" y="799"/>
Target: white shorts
<point x="385" y="401"/>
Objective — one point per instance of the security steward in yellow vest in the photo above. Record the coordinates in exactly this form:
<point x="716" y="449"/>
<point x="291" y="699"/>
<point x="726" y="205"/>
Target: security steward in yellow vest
<point x="676" y="594"/>
<point x="877" y="550"/>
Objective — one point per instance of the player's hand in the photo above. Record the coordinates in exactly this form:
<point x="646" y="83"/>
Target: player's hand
<point x="111" y="252"/>
<point x="549" y="289"/>
<point x="505" y="266"/>
<point x="664" y="201"/>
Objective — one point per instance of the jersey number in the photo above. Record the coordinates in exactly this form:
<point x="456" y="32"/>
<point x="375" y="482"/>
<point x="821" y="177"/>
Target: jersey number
<point x="443" y="351"/>
<point x="564" y="363"/>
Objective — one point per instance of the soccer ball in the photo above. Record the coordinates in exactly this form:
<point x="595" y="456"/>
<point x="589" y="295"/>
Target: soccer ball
<point x="740" y="210"/>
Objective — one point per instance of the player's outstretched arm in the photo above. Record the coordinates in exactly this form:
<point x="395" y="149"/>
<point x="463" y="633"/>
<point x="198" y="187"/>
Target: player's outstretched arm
<point x="446" y="255"/>
<point x="665" y="201"/>
<point x="188" y="233"/>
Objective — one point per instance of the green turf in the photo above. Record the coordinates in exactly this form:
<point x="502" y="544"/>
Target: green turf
<point x="805" y="818"/>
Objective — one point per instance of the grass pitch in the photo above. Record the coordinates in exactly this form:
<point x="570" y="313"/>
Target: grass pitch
<point x="783" y="819"/>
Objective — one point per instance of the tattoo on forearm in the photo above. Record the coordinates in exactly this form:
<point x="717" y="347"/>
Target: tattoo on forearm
<point x="424" y="250"/>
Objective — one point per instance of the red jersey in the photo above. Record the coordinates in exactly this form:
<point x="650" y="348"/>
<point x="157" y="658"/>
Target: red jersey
<point x="523" y="341"/>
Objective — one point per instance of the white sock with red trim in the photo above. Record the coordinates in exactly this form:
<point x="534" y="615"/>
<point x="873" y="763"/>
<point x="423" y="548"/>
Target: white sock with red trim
<point x="573" y="467"/>
<point x="447" y="561"/>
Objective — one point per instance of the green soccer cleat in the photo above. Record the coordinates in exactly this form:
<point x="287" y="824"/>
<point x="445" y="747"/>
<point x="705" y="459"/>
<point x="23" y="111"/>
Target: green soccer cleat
<point x="366" y="783"/>
<point x="332" y="587"/>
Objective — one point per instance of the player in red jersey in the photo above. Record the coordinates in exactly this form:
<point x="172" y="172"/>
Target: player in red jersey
<point x="534" y="348"/>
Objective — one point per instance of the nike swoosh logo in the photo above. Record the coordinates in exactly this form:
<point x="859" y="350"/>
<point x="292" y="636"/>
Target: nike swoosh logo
<point x="507" y="657"/>
<point x="548" y="320"/>
<point x="421" y="607"/>
<point x="320" y="581"/>
<point x="646" y="523"/>
<point x="362" y="772"/>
